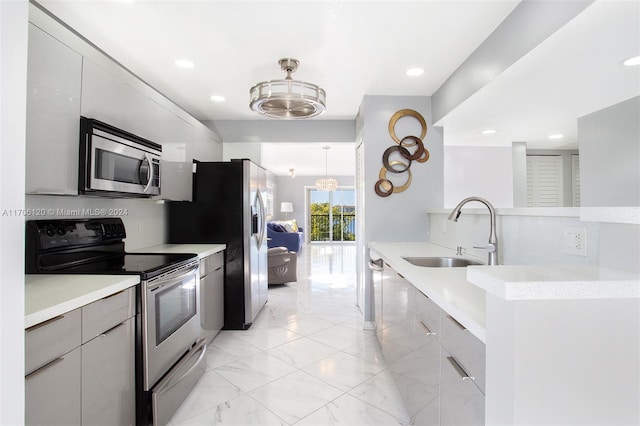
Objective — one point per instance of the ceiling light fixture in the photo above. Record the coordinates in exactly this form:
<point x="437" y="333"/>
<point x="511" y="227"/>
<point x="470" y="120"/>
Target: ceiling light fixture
<point x="292" y="172"/>
<point x="217" y="98"/>
<point x="326" y="184"/>
<point x="632" y="61"/>
<point x="556" y="136"/>
<point x="288" y="98"/>
<point x="414" y="72"/>
<point x="488" y="132"/>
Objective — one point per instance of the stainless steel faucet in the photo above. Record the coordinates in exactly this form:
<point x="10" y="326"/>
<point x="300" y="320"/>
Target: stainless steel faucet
<point x="492" y="247"/>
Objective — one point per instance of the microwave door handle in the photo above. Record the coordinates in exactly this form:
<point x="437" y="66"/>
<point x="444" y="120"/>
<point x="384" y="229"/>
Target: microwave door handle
<point x="150" y="176"/>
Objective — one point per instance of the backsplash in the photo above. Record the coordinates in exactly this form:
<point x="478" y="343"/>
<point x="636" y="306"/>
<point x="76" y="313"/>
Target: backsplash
<point x="143" y="219"/>
<point x="522" y="240"/>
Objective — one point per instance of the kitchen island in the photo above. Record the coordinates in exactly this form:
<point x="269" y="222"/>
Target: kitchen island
<point x="562" y="342"/>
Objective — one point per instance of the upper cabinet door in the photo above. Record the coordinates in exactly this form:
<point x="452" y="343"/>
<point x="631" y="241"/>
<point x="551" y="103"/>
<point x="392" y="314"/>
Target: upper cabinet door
<point x="104" y="97"/>
<point x="54" y="78"/>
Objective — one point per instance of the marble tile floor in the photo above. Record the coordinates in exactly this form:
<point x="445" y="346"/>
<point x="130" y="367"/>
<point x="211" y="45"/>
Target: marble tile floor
<point x="306" y="360"/>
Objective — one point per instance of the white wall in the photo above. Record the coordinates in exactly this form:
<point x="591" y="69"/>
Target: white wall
<point x="522" y="240"/>
<point x="144" y="220"/>
<point x="482" y="171"/>
<point x="610" y="156"/>
<point x="13" y="80"/>
<point x="252" y="151"/>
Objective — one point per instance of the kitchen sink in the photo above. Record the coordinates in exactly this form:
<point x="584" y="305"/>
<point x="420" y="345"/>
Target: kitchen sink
<point x="441" y="262"/>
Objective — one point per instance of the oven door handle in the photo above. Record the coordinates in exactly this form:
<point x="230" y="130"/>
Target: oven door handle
<point x="154" y="285"/>
<point x="170" y="381"/>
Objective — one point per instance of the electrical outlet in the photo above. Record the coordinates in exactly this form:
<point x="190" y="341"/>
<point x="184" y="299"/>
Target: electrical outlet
<point x="575" y="241"/>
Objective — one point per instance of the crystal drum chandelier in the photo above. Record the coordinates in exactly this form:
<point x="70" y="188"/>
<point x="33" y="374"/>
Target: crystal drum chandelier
<point x="326" y="184"/>
<point x="288" y="98"/>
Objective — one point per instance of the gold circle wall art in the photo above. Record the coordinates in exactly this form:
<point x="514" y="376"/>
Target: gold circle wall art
<point x="407" y="149"/>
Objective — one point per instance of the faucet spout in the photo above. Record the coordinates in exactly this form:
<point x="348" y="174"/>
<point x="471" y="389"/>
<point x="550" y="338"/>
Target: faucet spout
<point x="492" y="246"/>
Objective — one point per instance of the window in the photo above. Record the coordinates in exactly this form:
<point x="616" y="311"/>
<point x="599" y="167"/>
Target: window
<point x="544" y="181"/>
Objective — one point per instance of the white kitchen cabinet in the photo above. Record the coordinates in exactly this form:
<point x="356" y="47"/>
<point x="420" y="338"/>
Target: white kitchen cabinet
<point x="176" y="178"/>
<point x="109" y="99"/>
<point x="52" y="392"/>
<point x="80" y="366"/>
<point x="410" y="347"/>
<point x="52" y="367"/>
<point x="461" y="401"/>
<point x="104" y="97"/>
<point x="54" y="75"/>
<point x="466" y="348"/>
<point x="108" y="360"/>
<point x="430" y="356"/>
<point x="212" y="294"/>
<point x="108" y="377"/>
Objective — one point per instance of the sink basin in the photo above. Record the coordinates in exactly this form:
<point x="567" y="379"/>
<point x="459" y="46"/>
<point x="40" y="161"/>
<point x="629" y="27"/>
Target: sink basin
<point x="441" y="262"/>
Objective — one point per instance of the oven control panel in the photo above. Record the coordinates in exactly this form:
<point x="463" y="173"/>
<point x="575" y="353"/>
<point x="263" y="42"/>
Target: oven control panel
<point x="66" y="233"/>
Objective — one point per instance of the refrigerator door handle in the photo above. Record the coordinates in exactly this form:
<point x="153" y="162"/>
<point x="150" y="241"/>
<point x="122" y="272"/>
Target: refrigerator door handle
<point x="261" y="215"/>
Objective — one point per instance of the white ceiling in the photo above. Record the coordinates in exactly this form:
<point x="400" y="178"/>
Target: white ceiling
<point x="354" y="48"/>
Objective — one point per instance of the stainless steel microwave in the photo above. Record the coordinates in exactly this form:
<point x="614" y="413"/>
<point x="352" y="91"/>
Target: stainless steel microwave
<point x="116" y="163"/>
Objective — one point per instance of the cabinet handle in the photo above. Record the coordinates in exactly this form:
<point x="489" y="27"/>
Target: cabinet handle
<point x="459" y="369"/>
<point x="429" y="332"/>
<point x="455" y="321"/>
<point x="44" y="367"/>
<point x="43" y="323"/>
<point x="115" y="294"/>
<point x="104" y="334"/>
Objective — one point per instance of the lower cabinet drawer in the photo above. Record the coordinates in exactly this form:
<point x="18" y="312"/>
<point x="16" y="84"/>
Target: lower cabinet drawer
<point x="211" y="263"/>
<point x="49" y="340"/>
<point x="52" y="392"/>
<point x="461" y="401"/>
<point x="466" y="348"/>
<point x="103" y="314"/>
<point x="428" y="313"/>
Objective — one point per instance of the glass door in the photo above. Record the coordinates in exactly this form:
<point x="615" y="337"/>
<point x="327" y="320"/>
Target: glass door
<point x="332" y="215"/>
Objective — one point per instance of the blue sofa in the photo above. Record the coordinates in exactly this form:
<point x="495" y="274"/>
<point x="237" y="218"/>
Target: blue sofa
<point x="278" y="237"/>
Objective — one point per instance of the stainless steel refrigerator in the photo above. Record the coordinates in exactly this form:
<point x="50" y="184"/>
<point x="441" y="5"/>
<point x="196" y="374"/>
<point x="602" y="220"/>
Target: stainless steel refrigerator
<point x="229" y="207"/>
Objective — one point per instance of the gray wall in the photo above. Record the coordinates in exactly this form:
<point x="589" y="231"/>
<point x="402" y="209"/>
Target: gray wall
<point x="610" y="156"/>
<point x="285" y="130"/>
<point x="401" y="216"/>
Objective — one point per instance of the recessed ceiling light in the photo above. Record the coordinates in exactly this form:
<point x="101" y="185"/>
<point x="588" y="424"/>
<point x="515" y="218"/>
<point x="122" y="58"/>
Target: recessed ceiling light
<point x="632" y="61"/>
<point x="414" y="72"/>
<point x="488" y="132"/>
<point x="217" y="98"/>
<point x="185" y="63"/>
<point x="556" y="136"/>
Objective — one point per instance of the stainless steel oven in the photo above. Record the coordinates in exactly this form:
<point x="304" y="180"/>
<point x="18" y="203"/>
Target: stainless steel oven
<point x="116" y="162"/>
<point x="169" y="319"/>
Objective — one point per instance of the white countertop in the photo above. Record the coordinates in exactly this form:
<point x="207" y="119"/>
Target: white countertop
<point x="202" y="250"/>
<point x="47" y="296"/>
<point x="530" y="282"/>
<point x="447" y="287"/>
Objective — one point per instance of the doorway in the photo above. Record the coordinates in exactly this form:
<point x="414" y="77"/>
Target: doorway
<point x="332" y="215"/>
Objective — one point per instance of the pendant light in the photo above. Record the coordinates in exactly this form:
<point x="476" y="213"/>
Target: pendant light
<point x="326" y="184"/>
<point x="288" y="98"/>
